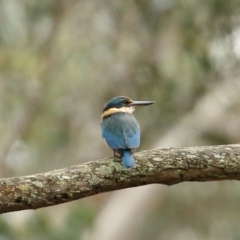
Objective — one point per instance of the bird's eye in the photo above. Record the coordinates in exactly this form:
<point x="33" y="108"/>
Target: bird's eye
<point x="125" y="101"/>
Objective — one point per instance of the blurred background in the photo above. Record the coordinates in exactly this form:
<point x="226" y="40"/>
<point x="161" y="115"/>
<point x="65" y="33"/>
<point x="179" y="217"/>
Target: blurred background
<point x="60" y="61"/>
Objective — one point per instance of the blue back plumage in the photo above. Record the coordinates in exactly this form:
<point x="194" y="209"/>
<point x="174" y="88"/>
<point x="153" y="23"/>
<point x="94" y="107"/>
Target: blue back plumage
<point x="122" y="134"/>
<point x="121" y="131"/>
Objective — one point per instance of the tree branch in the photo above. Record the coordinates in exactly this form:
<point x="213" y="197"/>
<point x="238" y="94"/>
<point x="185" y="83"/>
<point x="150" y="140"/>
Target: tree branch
<point x="164" y="165"/>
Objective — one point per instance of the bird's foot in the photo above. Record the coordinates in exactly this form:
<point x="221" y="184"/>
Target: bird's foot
<point x="116" y="154"/>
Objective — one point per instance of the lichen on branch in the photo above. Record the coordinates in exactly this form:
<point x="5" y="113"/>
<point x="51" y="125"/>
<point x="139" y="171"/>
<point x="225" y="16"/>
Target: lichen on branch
<point x="163" y="165"/>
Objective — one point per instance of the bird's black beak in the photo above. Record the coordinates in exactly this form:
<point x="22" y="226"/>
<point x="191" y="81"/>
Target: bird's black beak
<point x="140" y="103"/>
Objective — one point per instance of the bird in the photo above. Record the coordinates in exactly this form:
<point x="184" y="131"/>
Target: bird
<point x="120" y="129"/>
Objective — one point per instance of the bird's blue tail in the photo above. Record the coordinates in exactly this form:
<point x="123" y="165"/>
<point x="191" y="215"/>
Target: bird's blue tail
<point x="127" y="158"/>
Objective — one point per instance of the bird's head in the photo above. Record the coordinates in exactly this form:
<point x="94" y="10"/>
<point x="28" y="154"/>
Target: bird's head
<point x="123" y="104"/>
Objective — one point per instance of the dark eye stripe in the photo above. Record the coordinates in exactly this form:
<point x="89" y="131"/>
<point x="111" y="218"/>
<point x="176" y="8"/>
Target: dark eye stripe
<point x="126" y="101"/>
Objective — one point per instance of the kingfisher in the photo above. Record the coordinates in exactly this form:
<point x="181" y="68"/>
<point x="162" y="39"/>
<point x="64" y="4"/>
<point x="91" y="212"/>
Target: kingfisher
<point x="120" y="128"/>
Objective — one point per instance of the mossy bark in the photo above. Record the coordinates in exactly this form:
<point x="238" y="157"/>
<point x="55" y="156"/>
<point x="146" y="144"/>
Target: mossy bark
<point x="164" y="165"/>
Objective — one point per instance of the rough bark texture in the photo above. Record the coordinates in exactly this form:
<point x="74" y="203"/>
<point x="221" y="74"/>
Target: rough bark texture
<point x="166" y="166"/>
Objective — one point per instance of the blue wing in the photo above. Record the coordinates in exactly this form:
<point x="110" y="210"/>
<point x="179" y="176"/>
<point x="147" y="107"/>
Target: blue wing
<point x="121" y="131"/>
